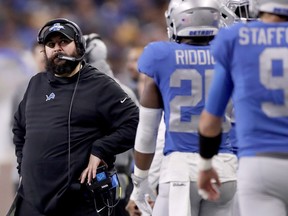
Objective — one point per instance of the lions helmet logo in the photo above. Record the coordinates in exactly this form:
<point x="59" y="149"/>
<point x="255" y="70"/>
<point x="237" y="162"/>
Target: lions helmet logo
<point x="56" y="27"/>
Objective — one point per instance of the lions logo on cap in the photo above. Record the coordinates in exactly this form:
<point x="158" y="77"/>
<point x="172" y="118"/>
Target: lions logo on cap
<point x="56" y="27"/>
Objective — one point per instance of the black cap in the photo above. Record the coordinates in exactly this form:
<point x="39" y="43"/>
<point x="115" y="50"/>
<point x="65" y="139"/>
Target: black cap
<point x="62" y="28"/>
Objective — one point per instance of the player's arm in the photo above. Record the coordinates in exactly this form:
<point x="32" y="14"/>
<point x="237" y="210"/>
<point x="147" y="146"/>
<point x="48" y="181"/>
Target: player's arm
<point x="145" y="143"/>
<point x="210" y="124"/>
<point x="150" y="116"/>
<point x="209" y="137"/>
<point x="210" y="131"/>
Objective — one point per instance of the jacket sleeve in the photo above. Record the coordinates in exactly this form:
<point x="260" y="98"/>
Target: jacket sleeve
<point x="121" y="114"/>
<point x="19" y="132"/>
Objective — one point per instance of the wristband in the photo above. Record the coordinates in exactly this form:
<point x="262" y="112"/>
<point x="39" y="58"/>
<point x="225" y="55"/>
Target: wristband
<point x="209" y="146"/>
<point x="204" y="164"/>
<point x="140" y="173"/>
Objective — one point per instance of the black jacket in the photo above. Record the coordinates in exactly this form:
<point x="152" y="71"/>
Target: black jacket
<point x="92" y="115"/>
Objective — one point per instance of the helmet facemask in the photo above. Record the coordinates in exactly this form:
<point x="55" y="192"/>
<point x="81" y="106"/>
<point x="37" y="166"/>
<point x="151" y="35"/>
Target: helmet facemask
<point x="234" y="11"/>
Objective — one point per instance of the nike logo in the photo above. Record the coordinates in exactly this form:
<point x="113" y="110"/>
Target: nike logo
<point x="122" y="101"/>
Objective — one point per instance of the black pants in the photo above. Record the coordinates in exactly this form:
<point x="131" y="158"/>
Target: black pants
<point x="72" y="204"/>
<point x="120" y="210"/>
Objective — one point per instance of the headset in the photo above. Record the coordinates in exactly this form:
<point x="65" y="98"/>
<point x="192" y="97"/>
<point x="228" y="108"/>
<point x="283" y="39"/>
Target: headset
<point x="78" y="37"/>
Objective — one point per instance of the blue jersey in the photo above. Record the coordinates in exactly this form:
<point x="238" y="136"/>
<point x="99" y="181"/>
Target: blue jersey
<point x="252" y="66"/>
<point x="182" y="73"/>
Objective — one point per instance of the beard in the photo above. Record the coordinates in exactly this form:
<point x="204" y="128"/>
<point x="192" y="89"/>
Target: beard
<point x="60" y="67"/>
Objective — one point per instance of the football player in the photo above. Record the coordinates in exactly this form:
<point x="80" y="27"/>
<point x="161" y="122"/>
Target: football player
<point x="177" y="77"/>
<point x="251" y="66"/>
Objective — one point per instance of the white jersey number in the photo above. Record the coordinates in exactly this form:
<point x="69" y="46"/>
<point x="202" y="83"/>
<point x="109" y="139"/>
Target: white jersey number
<point x="273" y="82"/>
<point x="191" y="100"/>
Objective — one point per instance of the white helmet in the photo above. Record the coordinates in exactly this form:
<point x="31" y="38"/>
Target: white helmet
<point x="96" y="53"/>
<point x="278" y="7"/>
<point x="96" y="49"/>
<point x="234" y="11"/>
<point x="192" y="18"/>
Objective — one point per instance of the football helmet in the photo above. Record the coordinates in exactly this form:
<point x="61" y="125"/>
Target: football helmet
<point x="96" y="53"/>
<point x="234" y="11"/>
<point x="95" y="47"/>
<point x="278" y="7"/>
<point x="192" y="18"/>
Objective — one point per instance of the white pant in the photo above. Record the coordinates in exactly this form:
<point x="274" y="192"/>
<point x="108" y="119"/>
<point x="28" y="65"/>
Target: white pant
<point x="183" y="166"/>
<point x="178" y="192"/>
<point x="263" y="187"/>
<point x="195" y="205"/>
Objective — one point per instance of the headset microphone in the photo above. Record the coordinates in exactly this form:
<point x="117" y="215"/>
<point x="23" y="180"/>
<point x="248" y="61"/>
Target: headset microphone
<point x="68" y="58"/>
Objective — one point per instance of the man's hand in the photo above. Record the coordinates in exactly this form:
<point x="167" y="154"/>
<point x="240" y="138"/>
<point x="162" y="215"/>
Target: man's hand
<point x="206" y="188"/>
<point x="142" y="194"/>
<point x="90" y="172"/>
